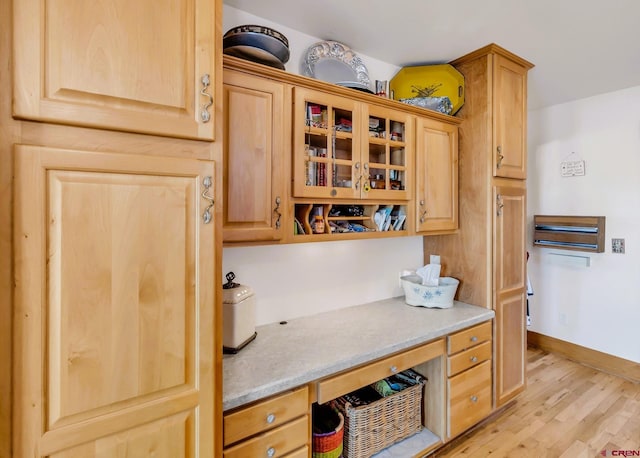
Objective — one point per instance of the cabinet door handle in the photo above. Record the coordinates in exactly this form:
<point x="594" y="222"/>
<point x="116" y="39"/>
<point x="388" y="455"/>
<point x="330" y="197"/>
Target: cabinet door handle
<point x="499" y="204"/>
<point x="423" y="215"/>
<point x="207" y="182"/>
<point x="474" y="359"/>
<point x="473" y="339"/>
<point x="271" y="452"/>
<point x="499" y="157"/>
<point x="205" y="116"/>
<point x="394" y="369"/>
<point x="474" y="398"/>
<point x="277" y="211"/>
<point x="271" y="418"/>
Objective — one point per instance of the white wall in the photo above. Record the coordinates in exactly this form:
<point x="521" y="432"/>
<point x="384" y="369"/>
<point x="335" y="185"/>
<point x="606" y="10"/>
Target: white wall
<point x="303" y="279"/>
<point x="308" y="278"/>
<point x="596" y="306"/>
<point x="299" y="42"/>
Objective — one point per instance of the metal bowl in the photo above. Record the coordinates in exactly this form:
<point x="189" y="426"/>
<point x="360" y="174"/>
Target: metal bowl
<point x="259" y="37"/>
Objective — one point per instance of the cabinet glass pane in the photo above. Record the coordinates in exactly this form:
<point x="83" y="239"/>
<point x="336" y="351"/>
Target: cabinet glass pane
<point x="329" y="153"/>
<point x="387" y="159"/>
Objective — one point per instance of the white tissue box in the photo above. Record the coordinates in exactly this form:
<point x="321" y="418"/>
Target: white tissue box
<point x="417" y="294"/>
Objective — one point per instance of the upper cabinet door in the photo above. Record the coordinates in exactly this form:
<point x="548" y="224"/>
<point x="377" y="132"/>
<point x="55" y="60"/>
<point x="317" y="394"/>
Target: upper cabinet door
<point x="436" y="202"/>
<point x="327" y="160"/>
<point x="254" y="156"/>
<point x="115" y="318"/>
<point x="510" y="122"/>
<point x="141" y="66"/>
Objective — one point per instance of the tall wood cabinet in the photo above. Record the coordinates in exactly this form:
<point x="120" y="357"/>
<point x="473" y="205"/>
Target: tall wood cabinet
<point x="115" y="237"/>
<point x="488" y="252"/>
<point x="135" y="66"/>
<point x="114" y="312"/>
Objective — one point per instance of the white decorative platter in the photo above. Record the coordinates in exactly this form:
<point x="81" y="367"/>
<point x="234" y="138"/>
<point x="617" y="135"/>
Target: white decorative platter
<point x="334" y="62"/>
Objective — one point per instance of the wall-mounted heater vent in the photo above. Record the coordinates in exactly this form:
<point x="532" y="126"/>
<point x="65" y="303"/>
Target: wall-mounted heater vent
<point x="581" y="233"/>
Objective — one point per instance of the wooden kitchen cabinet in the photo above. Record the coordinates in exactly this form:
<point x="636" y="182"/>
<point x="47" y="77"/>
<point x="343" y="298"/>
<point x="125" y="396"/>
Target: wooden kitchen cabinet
<point x="348" y="149"/>
<point x="510" y="289"/>
<point x="469" y="377"/>
<point x="273" y="427"/>
<point x="131" y="66"/>
<point x="509" y="118"/>
<point x="488" y="253"/>
<point x="255" y="147"/>
<point x="115" y="343"/>
<point x="436" y="199"/>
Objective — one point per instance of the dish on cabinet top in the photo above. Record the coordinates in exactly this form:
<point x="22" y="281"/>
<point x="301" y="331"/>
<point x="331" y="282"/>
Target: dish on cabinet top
<point x="335" y="62"/>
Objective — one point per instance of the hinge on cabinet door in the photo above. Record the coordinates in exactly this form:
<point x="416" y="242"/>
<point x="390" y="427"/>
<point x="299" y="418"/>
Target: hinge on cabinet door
<point x="499" y="204"/>
<point x="205" y="116"/>
<point x="207" y="182"/>
<point x="499" y="157"/>
<point x="277" y="211"/>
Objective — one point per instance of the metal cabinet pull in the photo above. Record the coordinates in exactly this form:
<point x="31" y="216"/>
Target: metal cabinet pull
<point x="473" y="339"/>
<point x="271" y="418"/>
<point x="271" y="452"/>
<point x="277" y="211"/>
<point x="207" y="182"/>
<point x="205" y="116"/>
<point x="499" y="157"/>
<point x="474" y="359"/>
<point x="394" y="369"/>
<point x="423" y="216"/>
<point x="474" y="398"/>
<point x="499" y="204"/>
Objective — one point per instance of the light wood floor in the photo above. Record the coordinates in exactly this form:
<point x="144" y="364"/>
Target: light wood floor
<point x="568" y="411"/>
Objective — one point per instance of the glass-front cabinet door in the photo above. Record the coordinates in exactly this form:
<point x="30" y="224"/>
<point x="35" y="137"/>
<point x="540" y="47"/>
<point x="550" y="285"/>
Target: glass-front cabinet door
<point x="387" y="154"/>
<point x="326" y="157"/>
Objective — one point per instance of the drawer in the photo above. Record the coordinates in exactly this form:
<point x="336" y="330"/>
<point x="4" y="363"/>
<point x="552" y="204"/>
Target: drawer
<point x="301" y="453"/>
<point x="468" y="358"/>
<point x="469" y="398"/>
<point x="469" y="337"/>
<point x="265" y="415"/>
<point x="275" y="443"/>
<point x="346" y="382"/>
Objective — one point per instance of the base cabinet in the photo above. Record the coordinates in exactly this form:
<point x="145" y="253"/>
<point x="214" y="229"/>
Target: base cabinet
<point x="114" y="306"/>
<point x="276" y="427"/>
<point x="469" y="377"/>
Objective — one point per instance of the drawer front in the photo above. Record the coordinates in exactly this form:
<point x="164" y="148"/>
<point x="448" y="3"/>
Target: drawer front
<point x="300" y="453"/>
<point x="469" y="337"/>
<point x="469" y="398"/>
<point x="346" y="382"/>
<point x="275" y="443"/>
<point x="468" y="358"/>
<point x="265" y="415"/>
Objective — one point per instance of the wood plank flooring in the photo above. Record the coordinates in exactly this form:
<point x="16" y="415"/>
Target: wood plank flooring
<point x="567" y="411"/>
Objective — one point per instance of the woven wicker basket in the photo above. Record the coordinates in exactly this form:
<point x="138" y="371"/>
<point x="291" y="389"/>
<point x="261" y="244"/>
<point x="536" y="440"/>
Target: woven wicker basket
<point x="375" y="426"/>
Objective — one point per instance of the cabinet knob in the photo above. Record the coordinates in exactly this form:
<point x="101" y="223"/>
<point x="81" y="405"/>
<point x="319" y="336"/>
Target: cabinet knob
<point x="271" y="418"/>
<point x="474" y="398"/>
<point x="394" y="369"/>
<point x="474" y="359"/>
<point x="271" y="452"/>
<point x="474" y="339"/>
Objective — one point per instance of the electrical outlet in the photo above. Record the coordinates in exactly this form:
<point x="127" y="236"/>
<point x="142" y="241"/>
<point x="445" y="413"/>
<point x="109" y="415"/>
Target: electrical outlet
<point x="617" y="246"/>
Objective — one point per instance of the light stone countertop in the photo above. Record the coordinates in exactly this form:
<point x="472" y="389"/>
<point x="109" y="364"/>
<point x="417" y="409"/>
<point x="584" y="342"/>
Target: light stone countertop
<point x="313" y="347"/>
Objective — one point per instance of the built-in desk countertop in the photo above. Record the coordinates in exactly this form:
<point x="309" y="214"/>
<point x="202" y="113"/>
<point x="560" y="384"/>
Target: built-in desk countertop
<point x="284" y="356"/>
